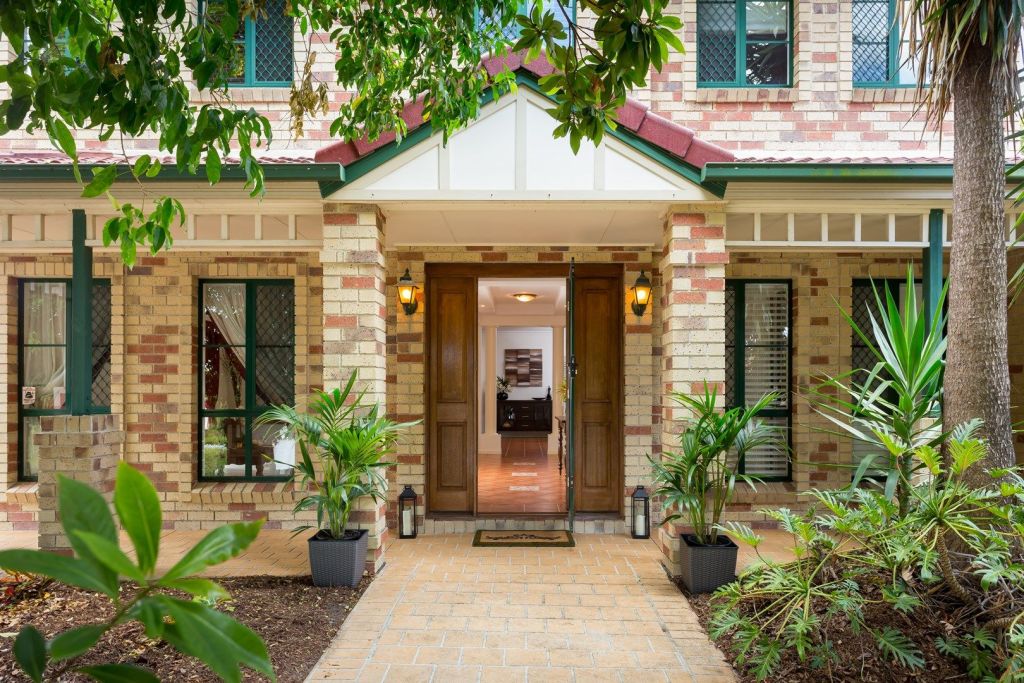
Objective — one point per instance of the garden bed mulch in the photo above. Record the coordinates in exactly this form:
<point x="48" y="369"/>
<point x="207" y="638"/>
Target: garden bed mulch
<point x="296" y="620"/>
<point x="858" y="657"/>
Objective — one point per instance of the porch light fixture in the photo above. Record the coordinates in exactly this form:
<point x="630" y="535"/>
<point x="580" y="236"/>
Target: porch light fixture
<point x="407" y="513"/>
<point x="524" y="297"/>
<point x="641" y="294"/>
<point x="407" y="293"/>
<point x="640" y="513"/>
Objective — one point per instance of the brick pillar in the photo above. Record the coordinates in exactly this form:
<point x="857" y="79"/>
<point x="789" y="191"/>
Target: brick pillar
<point x="355" y="314"/>
<point x="81" y="447"/>
<point x="693" y="322"/>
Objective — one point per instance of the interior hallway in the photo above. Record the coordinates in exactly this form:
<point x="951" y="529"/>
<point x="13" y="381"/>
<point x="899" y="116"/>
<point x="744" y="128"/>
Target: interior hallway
<point x="523" y="479"/>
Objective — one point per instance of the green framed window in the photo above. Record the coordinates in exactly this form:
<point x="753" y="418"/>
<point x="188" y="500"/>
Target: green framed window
<point x="44" y="346"/>
<point x="247" y="364"/>
<point x="744" y="43"/>
<point x="880" y="56"/>
<point x="758" y="355"/>
<point x="511" y="33"/>
<point x="264" y="46"/>
<point x="862" y="361"/>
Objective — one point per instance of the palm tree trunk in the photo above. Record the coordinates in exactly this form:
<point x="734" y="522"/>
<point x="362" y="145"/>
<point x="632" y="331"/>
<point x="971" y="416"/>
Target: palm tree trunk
<point x="977" y="381"/>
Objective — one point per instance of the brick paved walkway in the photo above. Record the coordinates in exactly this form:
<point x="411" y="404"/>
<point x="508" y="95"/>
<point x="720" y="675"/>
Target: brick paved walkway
<point x="445" y="611"/>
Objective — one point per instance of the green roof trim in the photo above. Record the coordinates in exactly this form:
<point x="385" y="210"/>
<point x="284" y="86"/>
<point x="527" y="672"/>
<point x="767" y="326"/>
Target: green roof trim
<point x="760" y="171"/>
<point x="311" y="172"/>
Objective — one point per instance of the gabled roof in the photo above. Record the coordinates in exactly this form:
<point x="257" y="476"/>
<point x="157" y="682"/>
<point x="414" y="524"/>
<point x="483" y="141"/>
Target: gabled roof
<point x="656" y="135"/>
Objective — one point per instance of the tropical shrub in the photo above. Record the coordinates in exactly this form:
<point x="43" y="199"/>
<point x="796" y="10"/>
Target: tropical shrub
<point x="894" y="407"/>
<point x="954" y="558"/>
<point x="193" y="627"/>
<point x="698" y="481"/>
<point x="343" y="443"/>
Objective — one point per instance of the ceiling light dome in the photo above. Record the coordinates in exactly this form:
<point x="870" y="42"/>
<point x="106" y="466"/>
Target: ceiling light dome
<point x="524" y="297"/>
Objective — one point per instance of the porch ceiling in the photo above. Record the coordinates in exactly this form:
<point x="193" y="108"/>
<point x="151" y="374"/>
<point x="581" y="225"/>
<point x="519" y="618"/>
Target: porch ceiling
<point x="510" y="223"/>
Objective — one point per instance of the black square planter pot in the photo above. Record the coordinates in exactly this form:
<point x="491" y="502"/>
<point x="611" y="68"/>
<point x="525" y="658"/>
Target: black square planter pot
<point x="706" y="567"/>
<point x="337" y="561"/>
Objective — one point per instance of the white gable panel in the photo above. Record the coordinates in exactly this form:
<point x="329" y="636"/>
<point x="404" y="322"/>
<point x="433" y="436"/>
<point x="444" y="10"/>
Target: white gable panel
<point x="418" y="173"/>
<point x="550" y="163"/>
<point x="483" y="156"/>
<point x="623" y="173"/>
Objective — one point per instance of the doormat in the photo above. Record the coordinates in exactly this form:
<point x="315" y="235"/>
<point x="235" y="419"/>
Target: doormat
<point x="523" y="539"/>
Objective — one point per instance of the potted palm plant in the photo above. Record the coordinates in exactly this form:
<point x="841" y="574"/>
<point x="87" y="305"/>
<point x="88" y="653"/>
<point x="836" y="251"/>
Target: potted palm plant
<point x="343" y="444"/>
<point x="699" y="480"/>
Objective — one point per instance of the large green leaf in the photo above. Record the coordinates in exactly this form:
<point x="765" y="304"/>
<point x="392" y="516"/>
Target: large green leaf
<point x="119" y="673"/>
<point x="76" y="641"/>
<point x="30" y="653"/>
<point x="216" y="639"/>
<point x="82" y="508"/>
<point x="138" y="508"/>
<point x="111" y="555"/>
<point x="219" y="545"/>
<point x="69" y="570"/>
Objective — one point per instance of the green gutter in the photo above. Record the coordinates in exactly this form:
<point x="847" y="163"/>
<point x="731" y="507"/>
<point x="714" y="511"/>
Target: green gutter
<point x="757" y="171"/>
<point x="311" y="172"/>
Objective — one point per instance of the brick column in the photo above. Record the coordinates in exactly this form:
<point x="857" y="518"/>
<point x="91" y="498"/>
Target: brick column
<point x="81" y="447"/>
<point x="355" y="314"/>
<point x="693" y="321"/>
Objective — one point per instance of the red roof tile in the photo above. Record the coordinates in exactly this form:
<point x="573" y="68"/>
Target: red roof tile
<point x="634" y="117"/>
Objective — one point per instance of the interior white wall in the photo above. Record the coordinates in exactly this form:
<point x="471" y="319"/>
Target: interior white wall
<point x="526" y="338"/>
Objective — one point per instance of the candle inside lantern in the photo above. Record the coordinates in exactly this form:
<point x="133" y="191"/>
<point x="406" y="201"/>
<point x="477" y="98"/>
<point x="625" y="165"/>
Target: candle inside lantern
<point x="641" y="524"/>
<point x="407" y="519"/>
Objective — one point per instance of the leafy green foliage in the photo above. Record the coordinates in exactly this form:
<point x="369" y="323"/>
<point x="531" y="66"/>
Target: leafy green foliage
<point x="101" y="67"/>
<point x="700" y="479"/>
<point x="894" y="408"/>
<point x="195" y="627"/>
<point x="958" y="552"/>
<point x="343" y="443"/>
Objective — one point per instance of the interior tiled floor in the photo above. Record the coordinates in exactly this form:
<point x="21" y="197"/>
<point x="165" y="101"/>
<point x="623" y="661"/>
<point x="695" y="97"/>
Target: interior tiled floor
<point x="523" y="479"/>
<point x="443" y="610"/>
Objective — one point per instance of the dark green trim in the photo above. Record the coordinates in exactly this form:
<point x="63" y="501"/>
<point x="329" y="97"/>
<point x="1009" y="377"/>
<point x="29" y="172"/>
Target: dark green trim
<point x="740" y="51"/>
<point x="251" y="410"/>
<point x="79" y="365"/>
<point x="756" y="171"/>
<point x="932" y="265"/>
<point x="321" y="172"/>
<point x="738" y="285"/>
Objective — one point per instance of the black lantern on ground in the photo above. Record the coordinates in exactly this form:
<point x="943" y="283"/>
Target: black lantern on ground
<point x="641" y="513"/>
<point x="407" y="513"/>
<point x="407" y="293"/>
<point x="641" y="294"/>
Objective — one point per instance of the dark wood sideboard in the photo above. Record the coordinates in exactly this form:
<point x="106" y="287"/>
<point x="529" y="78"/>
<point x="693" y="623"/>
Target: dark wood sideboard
<point x="524" y="417"/>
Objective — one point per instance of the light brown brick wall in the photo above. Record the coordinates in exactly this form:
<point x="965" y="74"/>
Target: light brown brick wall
<point x="154" y="366"/>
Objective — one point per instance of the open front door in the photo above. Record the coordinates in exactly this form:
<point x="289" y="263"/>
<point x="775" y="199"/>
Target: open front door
<point x="570" y="403"/>
<point x="451" y="396"/>
<point x="596" y="324"/>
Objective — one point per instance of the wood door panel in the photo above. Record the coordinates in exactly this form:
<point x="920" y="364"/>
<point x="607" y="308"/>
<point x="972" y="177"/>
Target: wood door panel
<point x="451" y="393"/>
<point x="598" y="321"/>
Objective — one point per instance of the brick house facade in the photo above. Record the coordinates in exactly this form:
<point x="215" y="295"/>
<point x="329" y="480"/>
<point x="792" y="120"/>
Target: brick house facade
<point x="703" y="188"/>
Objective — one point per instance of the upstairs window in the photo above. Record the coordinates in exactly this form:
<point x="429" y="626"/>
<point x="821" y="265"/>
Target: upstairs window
<point x="264" y="49"/>
<point x="744" y="43"/>
<point x="44" y="345"/>
<point x="758" y="350"/>
<point x="880" y="58"/>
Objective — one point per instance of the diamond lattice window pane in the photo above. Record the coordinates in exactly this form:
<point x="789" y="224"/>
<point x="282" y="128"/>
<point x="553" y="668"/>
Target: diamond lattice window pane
<point x="275" y="375"/>
<point x="871" y="30"/>
<point x="730" y="346"/>
<point x="716" y="41"/>
<point x="275" y="315"/>
<point x="274" y="49"/>
<point x="100" y="345"/>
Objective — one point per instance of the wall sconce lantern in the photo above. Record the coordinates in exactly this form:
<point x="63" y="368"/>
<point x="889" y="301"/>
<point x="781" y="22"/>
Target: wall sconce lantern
<point x="641" y="294"/>
<point x="641" y="513"/>
<point x="407" y="513"/>
<point x="407" y="293"/>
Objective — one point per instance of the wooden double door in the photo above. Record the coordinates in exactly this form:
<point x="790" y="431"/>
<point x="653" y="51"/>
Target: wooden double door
<point x="452" y="390"/>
